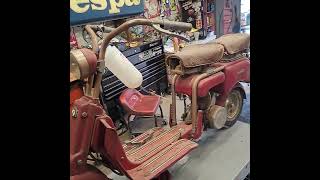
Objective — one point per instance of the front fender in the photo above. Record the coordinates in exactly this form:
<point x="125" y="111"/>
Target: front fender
<point x="241" y="88"/>
<point x="222" y="99"/>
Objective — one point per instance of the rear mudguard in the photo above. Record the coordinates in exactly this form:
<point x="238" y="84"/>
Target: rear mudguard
<point x="241" y="88"/>
<point x="235" y="72"/>
<point x="222" y="99"/>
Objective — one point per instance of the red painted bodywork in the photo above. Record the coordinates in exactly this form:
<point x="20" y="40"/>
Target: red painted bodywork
<point x="184" y="85"/>
<point x="96" y="132"/>
<point x="158" y="153"/>
<point x="235" y="72"/>
<point x="76" y="92"/>
<point x="222" y="82"/>
<point x="81" y="131"/>
<point x="152" y="153"/>
<point x="138" y="104"/>
<point x="91" y="59"/>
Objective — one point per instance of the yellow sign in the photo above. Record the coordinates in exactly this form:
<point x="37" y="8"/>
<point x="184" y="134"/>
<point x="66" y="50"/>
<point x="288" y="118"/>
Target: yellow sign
<point x="82" y="6"/>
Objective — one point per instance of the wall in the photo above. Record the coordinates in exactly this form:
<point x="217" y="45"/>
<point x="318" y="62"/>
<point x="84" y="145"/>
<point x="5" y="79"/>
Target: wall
<point x="220" y="15"/>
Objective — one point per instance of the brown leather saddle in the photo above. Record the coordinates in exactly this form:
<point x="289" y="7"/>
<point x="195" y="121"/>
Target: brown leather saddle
<point x="234" y="43"/>
<point x="193" y="58"/>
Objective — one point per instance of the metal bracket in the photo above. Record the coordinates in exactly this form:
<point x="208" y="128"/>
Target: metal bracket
<point x="101" y="66"/>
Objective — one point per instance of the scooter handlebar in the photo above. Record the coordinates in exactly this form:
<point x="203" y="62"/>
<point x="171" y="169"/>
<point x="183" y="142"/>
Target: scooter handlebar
<point x="174" y="25"/>
<point x="123" y="27"/>
<point x="182" y="26"/>
<point x="104" y="28"/>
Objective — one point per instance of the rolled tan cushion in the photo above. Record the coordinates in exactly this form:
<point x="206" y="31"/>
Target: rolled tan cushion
<point x="197" y="55"/>
<point x="234" y="43"/>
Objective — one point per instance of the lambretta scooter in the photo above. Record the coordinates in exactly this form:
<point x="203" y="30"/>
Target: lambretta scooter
<point x="153" y="152"/>
<point x="92" y="130"/>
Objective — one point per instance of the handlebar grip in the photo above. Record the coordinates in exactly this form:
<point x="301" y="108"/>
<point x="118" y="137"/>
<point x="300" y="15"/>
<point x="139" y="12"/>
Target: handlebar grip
<point x="107" y="29"/>
<point x="177" y="25"/>
<point x="94" y="27"/>
<point x="174" y="25"/>
<point x="104" y="28"/>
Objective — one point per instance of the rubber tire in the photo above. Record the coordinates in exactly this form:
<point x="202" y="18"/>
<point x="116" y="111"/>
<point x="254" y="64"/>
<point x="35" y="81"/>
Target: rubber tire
<point x="229" y="123"/>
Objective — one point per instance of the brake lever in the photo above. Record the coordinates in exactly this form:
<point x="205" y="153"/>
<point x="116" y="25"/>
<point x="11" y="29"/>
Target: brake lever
<point x="158" y="28"/>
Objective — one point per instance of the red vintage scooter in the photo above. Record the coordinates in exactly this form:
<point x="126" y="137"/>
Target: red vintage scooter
<point x="216" y="97"/>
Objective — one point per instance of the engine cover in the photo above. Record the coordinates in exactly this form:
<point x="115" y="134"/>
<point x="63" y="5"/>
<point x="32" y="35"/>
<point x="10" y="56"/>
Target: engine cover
<point x="217" y="116"/>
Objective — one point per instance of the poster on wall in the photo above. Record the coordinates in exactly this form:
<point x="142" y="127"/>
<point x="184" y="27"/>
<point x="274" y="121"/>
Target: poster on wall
<point x="73" y="40"/>
<point x="191" y="13"/>
<point x="166" y="8"/>
<point x="173" y="5"/>
<point x="150" y="33"/>
<point x="151" y="9"/>
<point x="169" y="9"/>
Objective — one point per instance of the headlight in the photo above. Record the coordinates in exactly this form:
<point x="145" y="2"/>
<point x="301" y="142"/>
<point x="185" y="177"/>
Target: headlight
<point x="83" y="63"/>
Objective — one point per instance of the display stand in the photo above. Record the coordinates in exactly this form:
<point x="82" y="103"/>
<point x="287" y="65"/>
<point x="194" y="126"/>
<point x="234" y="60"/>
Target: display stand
<point x="221" y="155"/>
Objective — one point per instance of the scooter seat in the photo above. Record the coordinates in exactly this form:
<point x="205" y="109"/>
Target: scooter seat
<point x="184" y="85"/>
<point x="196" y="55"/>
<point x="206" y="54"/>
<point x="138" y="104"/>
<point x="234" y="43"/>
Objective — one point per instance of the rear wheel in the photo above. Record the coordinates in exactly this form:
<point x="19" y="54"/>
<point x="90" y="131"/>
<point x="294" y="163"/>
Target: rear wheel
<point x="233" y="106"/>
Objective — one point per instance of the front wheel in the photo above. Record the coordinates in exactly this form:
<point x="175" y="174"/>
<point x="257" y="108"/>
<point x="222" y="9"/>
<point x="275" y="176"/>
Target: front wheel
<point x="233" y="106"/>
